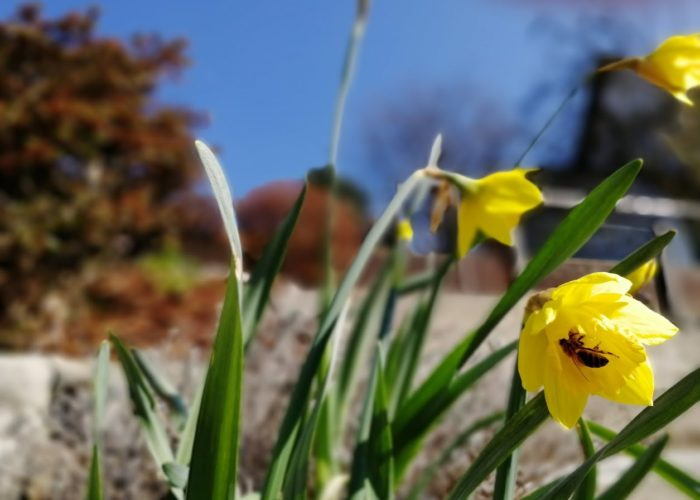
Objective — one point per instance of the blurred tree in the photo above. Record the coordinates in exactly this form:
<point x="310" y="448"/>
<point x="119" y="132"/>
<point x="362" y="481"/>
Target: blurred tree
<point x="91" y="166"/>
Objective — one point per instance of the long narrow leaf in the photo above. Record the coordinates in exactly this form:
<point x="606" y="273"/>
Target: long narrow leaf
<point x="297" y="476"/>
<point x="144" y="407"/>
<point x="163" y="388"/>
<point x="587" y="489"/>
<point x="667" y="407"/>
<point x="263" y="275"/>
<point x="460" y="440"/>
<point x="631" y="478"/>
<point x="222" y="194"/>
<point x="410" y="428"/>
<point x="643" y="254"/>
<point x="412" y="346"/>
<point x="95" y="488"/>
<point x="683" y="481"/>
<point x="506" y="474"/>
<point x="514" y="432"/>
<point x="299" y="399"/>
<point x="214" y="462"/>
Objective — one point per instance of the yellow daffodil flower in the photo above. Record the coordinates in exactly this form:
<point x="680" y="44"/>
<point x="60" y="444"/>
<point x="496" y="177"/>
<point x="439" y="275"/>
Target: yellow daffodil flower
<point x="642" y="275"/>
<point x="674" y="66"/>
<point x="492" y="205"/>
<point x="587" y="337"/>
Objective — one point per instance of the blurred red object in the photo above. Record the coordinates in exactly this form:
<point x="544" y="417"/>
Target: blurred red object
<point x="262" y="211"/>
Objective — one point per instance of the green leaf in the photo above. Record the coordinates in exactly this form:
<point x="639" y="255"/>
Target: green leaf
<point x="100" y="389"/>
<point x="412" y="423"/>
<point x="214" y="462"/>
<point x="578" y="226"/>
<point x="587" y="489"/>
<point x="223" y="197"/>
<point x="299" y="399"/>
<point x="636" y="473"/>
<point x="373" y="458"/>
<point x="428" y="473"/>
<point x="667" y="407"/>
<point x="643" y="254"/>
<point x="176" y="474"/>
<point x="297" y="476"/>
<point x="367" y="316"/>
<point x="163" y="388"/>
<point x="683" y="481"/>
<point x="513" y="433"/>
<point x="95" y="490"/>
<point x="409" y="348"/>
<point x="184" y="449"/>
<point x="506" y="474"/>
<point x="157" y="439"/>
<point x="266" y="269"/>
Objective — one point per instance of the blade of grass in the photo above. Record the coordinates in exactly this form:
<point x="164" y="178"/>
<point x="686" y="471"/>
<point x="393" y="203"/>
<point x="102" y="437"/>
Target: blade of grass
<point x="428" y="473"/>
<point x="587" y="489"/>
<point x="263" y="275"/>
<point x="631" y="478"/>
<point x="300" y="395"/>
<point x="511" y="435"/>
<point x="504" y="486"/>
<point x="214" y="462"/>
<point x="674" y="402"/>
<point x="678" y="478"/>
<point x="157" y="439"/>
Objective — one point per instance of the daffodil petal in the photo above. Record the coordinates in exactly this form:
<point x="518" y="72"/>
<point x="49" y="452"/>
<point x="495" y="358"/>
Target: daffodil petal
<point x="499" y="226"/>
<point x="538" y="320"/>
<point x="508" y="192"/>
<point x="647" y="326"/>
<point x="588" y="287"/>
<point x="639" y="387"/>
<point x="466" y="226"/>
<point x="564" y="395"/>
<point x="531" y="353"/>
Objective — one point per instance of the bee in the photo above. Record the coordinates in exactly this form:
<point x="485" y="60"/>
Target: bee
<point x="587" y="356"/>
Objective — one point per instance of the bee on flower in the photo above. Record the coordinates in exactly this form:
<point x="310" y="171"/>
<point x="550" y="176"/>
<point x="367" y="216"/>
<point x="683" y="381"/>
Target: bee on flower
<point x="673" y="66"/>
<point x="588" y="337"/>
<point x="492" y="205"/>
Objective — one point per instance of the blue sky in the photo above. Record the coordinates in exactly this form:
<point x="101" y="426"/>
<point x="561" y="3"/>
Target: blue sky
<point x="266" y="72"/>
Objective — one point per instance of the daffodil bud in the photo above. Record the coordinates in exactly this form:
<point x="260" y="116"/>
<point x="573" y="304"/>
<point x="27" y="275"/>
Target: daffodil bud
<point x="673" y="66"/>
